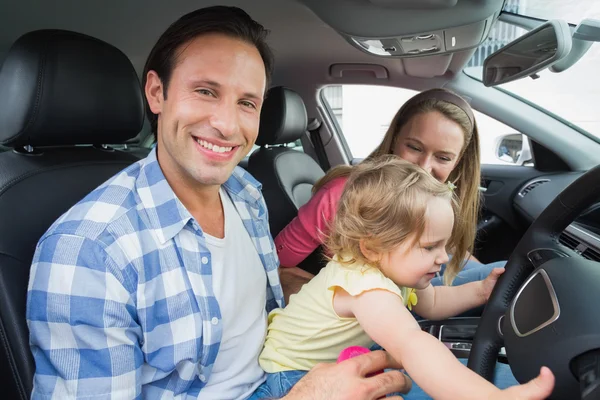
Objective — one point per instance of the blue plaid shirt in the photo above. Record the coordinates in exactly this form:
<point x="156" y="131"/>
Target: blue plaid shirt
<point x="121" y="302"/>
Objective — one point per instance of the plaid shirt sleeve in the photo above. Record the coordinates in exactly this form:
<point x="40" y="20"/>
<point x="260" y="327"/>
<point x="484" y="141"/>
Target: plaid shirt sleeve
<point x="81" y="313"/>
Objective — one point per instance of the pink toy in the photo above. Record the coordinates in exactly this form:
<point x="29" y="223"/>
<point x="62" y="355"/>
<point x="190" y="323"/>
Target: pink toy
<point x="353" y="351"/>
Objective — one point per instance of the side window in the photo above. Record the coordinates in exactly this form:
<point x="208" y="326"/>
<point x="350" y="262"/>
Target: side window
<point x="364" y="114"/>
<point x="501" y="144"/>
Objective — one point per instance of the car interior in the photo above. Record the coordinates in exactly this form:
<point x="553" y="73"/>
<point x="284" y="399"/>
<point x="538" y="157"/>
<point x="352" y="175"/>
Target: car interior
<point x="72" y="115"/>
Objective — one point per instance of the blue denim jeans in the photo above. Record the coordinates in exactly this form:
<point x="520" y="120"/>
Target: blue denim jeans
<point x="279" y="384"/>
<point x="471" y="272"/>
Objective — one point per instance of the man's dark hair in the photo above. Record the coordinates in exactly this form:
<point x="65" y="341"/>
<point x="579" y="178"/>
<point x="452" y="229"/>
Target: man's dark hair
<point x="230" y="21"/>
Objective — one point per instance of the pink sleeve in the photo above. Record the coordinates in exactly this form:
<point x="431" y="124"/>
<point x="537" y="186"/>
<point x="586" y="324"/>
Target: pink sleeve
<point x="306" y="231"/>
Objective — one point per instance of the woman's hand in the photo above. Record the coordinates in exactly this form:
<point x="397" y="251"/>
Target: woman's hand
<point x="487" y="285"/>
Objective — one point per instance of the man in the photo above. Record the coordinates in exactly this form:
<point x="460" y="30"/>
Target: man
<point x="180" y="275"/>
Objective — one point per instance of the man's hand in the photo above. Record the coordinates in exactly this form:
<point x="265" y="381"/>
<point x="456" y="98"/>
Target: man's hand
<point x="292" y="279"/>
<point x="487" y="285"/>
<point x="347" y="380"/>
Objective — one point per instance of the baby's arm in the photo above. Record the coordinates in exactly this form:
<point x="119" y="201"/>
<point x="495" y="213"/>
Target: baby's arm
<point x="385" y="319"/>
<point x="441" y="302"/>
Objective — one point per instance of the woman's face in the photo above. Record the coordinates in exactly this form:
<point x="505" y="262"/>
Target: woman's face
<point x="431" y="141"/>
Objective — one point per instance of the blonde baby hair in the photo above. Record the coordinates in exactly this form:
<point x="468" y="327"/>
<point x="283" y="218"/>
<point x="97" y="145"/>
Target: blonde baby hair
<point x="384" y="203"/>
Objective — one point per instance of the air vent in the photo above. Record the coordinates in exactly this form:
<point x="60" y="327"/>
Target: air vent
<point x="579" y="247"/>
<point x="532" y="185"/>
<point x="568" y="241"/>
<point x="591" y="254"/>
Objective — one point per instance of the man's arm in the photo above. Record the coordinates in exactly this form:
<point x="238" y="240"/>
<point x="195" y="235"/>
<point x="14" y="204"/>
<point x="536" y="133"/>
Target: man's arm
<point x="81" y="318"/>
<point x="292" y="279"/>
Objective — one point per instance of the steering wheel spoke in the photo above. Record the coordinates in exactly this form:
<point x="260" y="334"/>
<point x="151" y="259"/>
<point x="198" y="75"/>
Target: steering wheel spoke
<point x="539" y="256"/>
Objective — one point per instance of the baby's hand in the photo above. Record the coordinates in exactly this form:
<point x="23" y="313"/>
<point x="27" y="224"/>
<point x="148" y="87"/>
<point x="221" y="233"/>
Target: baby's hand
<point x="487" y="285"/>
<point x="536" y="389"/>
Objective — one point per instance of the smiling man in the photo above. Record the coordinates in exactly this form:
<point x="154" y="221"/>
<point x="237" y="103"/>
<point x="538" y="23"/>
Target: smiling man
<point x="161" y="278"/>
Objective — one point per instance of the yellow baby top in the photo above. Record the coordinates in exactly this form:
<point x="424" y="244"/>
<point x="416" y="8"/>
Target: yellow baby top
<point x="308" y="331"/>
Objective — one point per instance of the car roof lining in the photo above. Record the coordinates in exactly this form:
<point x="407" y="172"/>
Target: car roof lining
<point x="305" y="47"/>
<point x="401" y="17"/>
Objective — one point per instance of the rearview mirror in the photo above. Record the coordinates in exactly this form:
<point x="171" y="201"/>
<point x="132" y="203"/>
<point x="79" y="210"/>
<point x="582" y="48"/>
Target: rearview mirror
<point x="528" y="54"/>
<point x="514" y="149"/>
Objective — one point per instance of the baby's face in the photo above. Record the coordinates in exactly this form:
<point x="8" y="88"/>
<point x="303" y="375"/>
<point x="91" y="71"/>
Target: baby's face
<point x="414" y="265"/>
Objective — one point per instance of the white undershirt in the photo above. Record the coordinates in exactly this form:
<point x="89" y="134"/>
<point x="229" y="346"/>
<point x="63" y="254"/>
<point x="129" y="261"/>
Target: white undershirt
<point x="240" y="283"/>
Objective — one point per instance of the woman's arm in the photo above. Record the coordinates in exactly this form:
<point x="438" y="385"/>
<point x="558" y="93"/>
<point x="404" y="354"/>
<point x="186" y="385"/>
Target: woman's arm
<point x="441" y="302"/>
<point x="307" y="230"/>
<point x="304" y="234"/>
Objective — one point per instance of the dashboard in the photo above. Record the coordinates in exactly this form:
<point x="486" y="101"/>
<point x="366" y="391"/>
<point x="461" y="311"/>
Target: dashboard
<point x="583" y="235"/>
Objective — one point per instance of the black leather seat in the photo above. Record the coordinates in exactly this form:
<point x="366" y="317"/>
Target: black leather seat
<point x="58" y="89"/>
<point x="287" y="175"/>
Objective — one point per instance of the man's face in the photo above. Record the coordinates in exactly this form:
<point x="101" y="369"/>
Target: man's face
<point x="209" y="119"/>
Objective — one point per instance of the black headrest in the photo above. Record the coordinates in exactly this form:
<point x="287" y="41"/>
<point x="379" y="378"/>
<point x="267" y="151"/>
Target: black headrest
<point x="64" y="88"/>
<point x="283" y="117"/>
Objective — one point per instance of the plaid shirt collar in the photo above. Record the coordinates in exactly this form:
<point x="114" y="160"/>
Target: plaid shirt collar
<point x="168" y="221"/>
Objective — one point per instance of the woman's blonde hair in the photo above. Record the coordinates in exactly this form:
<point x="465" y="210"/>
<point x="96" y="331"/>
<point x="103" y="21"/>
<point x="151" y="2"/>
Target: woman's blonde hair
<point x="384" y="203"/>
<point x="466" y="175"/>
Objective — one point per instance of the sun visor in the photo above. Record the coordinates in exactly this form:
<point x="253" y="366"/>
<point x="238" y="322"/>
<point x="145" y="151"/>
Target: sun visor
<point x="427" y="67"/>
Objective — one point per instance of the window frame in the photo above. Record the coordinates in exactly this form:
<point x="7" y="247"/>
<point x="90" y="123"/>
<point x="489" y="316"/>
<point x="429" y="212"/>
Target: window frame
<point x="353" y="160"/>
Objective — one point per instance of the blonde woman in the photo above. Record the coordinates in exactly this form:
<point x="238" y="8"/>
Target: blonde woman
<point x="388" y="241"/>
<point x="436" y="130"/>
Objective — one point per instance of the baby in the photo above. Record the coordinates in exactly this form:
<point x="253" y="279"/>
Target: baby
<point x="389" y="239"/>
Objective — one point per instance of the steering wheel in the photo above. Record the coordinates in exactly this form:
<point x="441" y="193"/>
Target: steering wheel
<point x="545" y="308"/>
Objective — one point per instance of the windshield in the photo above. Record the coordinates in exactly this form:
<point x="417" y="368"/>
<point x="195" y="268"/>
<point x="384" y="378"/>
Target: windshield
<point x="572" y="11"/>
<point x="571" y="95"/>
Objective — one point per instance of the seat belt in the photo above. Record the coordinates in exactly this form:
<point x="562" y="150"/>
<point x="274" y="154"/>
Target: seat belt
<point x="317" y="142"/>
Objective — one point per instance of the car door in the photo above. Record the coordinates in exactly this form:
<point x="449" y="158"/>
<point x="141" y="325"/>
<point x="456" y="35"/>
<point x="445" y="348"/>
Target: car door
<point x="500" y="224"/>
<point x="500" y="227"/>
